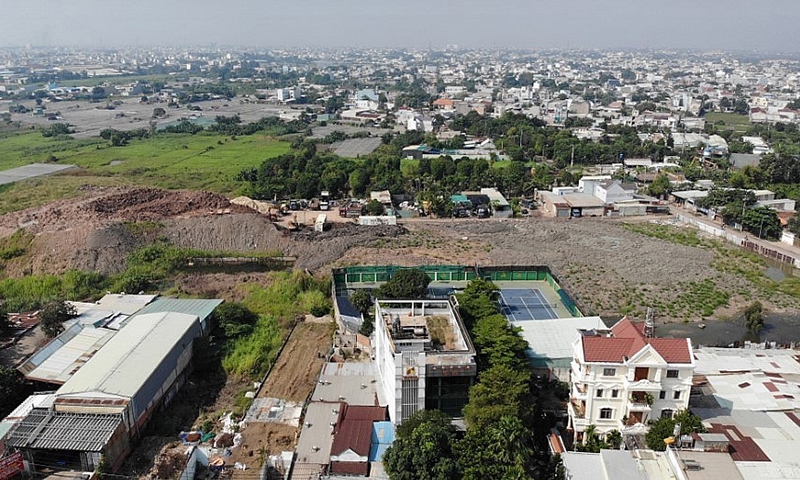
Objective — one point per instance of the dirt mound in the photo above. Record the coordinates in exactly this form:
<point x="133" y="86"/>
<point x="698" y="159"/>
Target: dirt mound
<point x="170" y="462"/>
<point x="315" y="250"/>
<point x="142" y="204"/>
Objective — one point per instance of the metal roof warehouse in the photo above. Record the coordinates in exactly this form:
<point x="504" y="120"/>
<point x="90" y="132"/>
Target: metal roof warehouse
<point x="134" y="370"/>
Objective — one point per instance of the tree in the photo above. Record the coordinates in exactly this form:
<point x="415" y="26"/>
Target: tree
<point x="423" y="448"/>
<point x="753" y="317"/>
<point x="660" y="186"/>
<point x="762" y="221"/>
<point x="374" y="208"/>
<point x="502" y="450"/>
<point x="234" y="319"/>
<point x="53" y="315"/>
<point x="98" y="93"/>
<point x="664" y="427"/>
<point x="794" y="224"/>
<point x="5" y="323"/>
<point x="500" y="391"/>
<point x="12" y="390"/>
<point x="405" y="284"/>
<point x="362" y="301"/>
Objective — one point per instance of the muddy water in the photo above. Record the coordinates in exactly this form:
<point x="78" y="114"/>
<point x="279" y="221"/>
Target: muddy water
<point x="783" y="328"/>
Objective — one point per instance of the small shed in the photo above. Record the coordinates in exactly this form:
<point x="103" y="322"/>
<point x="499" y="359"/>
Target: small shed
<point x="710" y="442"/>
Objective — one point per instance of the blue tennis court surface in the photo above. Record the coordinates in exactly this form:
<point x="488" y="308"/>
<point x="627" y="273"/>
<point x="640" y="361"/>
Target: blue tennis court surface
<point x="519" y="304"/>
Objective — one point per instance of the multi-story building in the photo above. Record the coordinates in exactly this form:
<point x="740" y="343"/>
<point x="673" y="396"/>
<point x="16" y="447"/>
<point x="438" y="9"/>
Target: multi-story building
<point x="624" y="376"/>
<point x="424" y="355"/>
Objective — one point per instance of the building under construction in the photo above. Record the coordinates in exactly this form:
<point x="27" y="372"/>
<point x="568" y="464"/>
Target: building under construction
<point x="424" y="355"/>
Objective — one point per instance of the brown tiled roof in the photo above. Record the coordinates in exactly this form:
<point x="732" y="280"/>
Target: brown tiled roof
<point x="743" y="448"/>
<point x="350" y="468"/>
<point x="628" y="339"/>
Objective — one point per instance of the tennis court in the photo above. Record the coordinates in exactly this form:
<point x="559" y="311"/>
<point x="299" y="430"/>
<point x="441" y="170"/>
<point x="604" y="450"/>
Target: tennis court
<point x="520" y="304"/>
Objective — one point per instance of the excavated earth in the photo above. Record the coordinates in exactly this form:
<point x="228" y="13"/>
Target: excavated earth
<point x="604" y="265"/>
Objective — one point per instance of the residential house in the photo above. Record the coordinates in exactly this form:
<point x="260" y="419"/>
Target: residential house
<point x="625" y="376"/>
<point x="614" y="191"/>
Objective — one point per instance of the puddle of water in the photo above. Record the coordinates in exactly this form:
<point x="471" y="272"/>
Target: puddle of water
<point x="778" y="270"/>
<point x="775" y="273"/>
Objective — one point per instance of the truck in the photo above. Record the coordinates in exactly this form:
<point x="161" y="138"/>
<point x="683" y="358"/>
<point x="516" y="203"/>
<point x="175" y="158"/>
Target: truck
<point x="351" y="210"/>
<point x="324" y="200"/>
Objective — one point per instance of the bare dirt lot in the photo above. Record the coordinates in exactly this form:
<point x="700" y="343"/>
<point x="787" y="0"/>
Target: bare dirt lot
<point x="608" y="268"/>
<point x="296" y="370"/>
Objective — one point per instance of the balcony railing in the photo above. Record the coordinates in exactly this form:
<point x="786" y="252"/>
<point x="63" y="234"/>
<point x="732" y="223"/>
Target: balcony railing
<point x="639" y="407"/>
<point x="644" y="385"/>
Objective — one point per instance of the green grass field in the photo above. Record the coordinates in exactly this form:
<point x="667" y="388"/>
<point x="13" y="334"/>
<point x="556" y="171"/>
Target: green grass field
<point x="733" y="121"/>
<point x="198" y="162"/>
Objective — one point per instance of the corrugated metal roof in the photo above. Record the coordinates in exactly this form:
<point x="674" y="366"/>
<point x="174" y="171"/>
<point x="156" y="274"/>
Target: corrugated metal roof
<point x="123" y="365"/>
<point x="127" y="304"/>
<point x="190" y="306"/>
<point x="61" y="364"/>
<point x="46" y="429"/>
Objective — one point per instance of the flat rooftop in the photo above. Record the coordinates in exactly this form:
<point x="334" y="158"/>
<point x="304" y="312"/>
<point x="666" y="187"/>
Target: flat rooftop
<point x="314" y="445"/>
<point x="433" y="322"/>
<point x="351" y="382"/>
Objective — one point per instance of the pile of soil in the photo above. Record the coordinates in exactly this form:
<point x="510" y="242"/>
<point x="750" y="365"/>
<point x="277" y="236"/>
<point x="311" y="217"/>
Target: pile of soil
<point x="148" y="204"/>
<point x="169" y="462"/>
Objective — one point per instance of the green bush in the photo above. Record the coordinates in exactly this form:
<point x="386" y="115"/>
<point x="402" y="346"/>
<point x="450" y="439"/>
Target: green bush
<point x="252" y="355"/>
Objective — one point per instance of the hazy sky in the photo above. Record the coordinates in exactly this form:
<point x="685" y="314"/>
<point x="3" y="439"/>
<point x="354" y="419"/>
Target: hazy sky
<point x="764" y="25"/>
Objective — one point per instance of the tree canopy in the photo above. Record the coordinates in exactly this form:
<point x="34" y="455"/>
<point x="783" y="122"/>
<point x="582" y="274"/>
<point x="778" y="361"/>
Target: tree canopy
<point x="53" y="315"/>
<point x="12" y="390"/>
<point x="664" y="427"/>
<point x="234" y="319"/>
<point x="423" y="448"/>
<point x="405" y="284"/>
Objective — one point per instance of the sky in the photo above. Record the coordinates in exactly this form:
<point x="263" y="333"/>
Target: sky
<point x="762" y="26"/>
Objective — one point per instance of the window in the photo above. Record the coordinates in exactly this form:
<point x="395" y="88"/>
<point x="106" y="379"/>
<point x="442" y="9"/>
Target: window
<point x="614" y="393"/>
<point x="677" y="395"/>
<point x="609" y="372"/>
<point x="662" y="395"/>
<point x="605" y="413"/>
<point x="666" y="413"/>
<point x="599" y="393"/>
<point x="672" y="374"/>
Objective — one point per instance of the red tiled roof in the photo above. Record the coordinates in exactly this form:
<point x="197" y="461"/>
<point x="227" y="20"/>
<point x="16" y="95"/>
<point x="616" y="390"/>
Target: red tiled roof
<point x="672" y="350"/>
<point x="355" y="429"/>
<point x="606" y="349"/>
<point x="628" y="339"/>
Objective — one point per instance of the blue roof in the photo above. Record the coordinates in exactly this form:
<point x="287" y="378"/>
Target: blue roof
<point x="382" y="438"/>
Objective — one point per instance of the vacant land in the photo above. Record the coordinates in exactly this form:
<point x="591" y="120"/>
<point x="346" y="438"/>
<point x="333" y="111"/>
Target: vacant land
<point x="292" y="378"/>
<point x="199" y="162"/>
<point x="296" y="370"/>
<point x="88" y="118"/>
<point x="729" y="121"/>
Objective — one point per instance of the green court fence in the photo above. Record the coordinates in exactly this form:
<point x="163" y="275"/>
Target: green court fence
<point x="366" y="276"/>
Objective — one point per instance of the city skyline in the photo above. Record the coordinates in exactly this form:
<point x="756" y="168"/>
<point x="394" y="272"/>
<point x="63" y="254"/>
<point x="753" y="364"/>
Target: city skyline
<point x="580" y="24"/>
